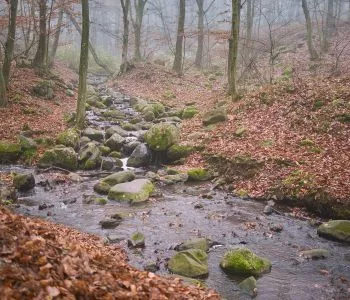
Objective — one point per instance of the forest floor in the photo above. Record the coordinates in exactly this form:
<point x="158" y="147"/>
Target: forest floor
<point x="297" y="131"/>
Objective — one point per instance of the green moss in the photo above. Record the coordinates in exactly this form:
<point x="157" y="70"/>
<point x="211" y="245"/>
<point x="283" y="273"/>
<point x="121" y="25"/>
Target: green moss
<point x="318" y="104"/>
<point x="336" y="230"/>
<point x="9" y="152"/>
<point x="157" y="108"/>
<point x="115" y="154"/>
<point x="306" y="142"/>
<point x="241" y="193"/>
<point x="128" y="126"/>
<point x="69" y="138"/>
<point x="344" y="118"/>
<point x="267" y="143"/>
<point x="189" y="112"/>
<point x="101" y="201"/>
<point x="198" y="174"/>
<point x="169" y="95"/>
<point x="125" y="192"/>
<point x="29" y="155"/>
<point x="102" y="187"/>
<point x="242" y="261"/>
<point x="176" y="152"/>
<point x="161" y="136"/>
<point x="240" y="131"/>
<point x="105" y="150"/>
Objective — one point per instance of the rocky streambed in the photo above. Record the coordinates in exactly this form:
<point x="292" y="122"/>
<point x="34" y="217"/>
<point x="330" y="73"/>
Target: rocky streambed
<point x="109" y="181"/>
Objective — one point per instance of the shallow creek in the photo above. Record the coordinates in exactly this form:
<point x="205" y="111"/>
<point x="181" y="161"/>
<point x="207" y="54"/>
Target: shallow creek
<point x="171" y="218"/>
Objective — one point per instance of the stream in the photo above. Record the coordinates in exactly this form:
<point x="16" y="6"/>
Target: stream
<point x="183" y="211"/>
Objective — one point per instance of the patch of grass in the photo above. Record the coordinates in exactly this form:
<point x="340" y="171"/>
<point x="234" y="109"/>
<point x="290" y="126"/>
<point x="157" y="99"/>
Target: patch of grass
<point x="268" y="143"/>
<point x="343" y="118"/>
<point x="318" y="104"/>
<point x="169" y="95"/>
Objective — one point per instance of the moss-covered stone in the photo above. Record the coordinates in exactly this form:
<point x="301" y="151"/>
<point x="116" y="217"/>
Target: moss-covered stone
<point x="243" y="261"/>
<point x="64" y="157"/>
<point x="102" y="187"/>
<point x="194" y="243"/>
<point x="69" y="138"/>
<point x="191" y="263"/>
<point x="241" y="131"/>
<point x="9" y="153"/>
<point x="198" y="175"/>
<point x="44" y="89"/>
<point x="90" y="156"/>
<point x="249" y="286"/>
<point x="135" y="191"/>
<point x="189" y="112"/>
<point x="115" y="154"/>
<point x="105" y="150"/>
<point x="161" y="136"/>
<point x="176" y="152"/>
<point x="136" y="240"/>
<point x="23" y="182"/>
<point x="335" y="230"/>
<point x="215" y="116"/>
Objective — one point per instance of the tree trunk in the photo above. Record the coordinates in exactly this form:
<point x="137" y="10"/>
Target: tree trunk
<point x="3" y="97"/>
<point x="137" y="24"/>
<point x="11" y="35"/>
<point x="56" y="37"/>
<point x="83" y="68"/>
<point x="312" y="51"/>
<point x="233" y="52"/>
<point x="200" y="43"/>
<point x="41" y="53"/>
<point x="91" y="48"/>
<point x="125" y="6"/>
<point x="330" y="26"/>
<point x="178" y="64"/>
<point x="250" y="18"/>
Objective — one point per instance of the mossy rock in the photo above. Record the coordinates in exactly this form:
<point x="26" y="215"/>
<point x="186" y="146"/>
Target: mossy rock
<point x="176" y="152"/>
<point x="136" y="240"/>
<point x="249" y="286"/>
<point x="105" y="184"/>
<point x="115" y="154"/>
<point x="69" y="138"/>
<point x="44" y="89"/>
<point x="198" y="175"/>
<point x="161" y="136"/>
<point x="23" y="182"/>
<point x="64" y="157"/>
<point x="105" y="150"/>
<point x="215" y="116"/>
<point x="128" y="126"/>
<point x="134" y="191"/>
<point x="241" y="131"/>
<point x="194" y="243"/>
<point x="189" y="112"/>
<point x="243" y="261"/>
<point x="102" y="187"/>
<point x="191" y="263"/>
<point x="9" y="153"/>
<point x="335" y="230"/>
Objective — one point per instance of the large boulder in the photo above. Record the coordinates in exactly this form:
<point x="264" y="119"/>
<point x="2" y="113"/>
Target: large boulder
<point x="44" y="89"/>
<point x="134" y="191"/>
<point x="9" y="152"/>
<point x="189" y="263"/>
<point x="215" y="116"/>
<point x="243" y="261"/>
<point x="176" y="152"/>
<point x="24" y="182"/>
<point x="69" y="138"/>
<point x="105" y="184"/>
<point x="115" y="142"/>
<point x="335" y="230"/>
<point x="140" y="156"/>
<point x="94" y="134"/>
<point x="90" y="156"/>
<point x="161" y="136"/>
<point x="64" y="157"/>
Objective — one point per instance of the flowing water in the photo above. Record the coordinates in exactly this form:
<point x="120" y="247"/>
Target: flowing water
<point x="180" y="212"/>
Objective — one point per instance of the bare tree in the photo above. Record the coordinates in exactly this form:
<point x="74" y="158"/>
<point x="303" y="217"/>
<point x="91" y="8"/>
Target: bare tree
<point x="41" y="53"/>
<point x="312" y="51"/>
<point x="137" y="25"/>
<point x="125" y="7"/>
<point x="330" y="25"/>
<point x="178" y="63"/>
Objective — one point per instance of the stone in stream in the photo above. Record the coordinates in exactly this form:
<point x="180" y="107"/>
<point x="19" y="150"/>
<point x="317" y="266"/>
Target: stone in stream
<point x="161" y="136"/>
<point x="64" y="157"/>
<point x="194" y="243"/>
<point x="83" y="141"/>
<point x="104" y="185"/>
<point x="151" y="266"/>
<point x="115" y="142"/>
<point x="9" y="152"/>
<point x="94" y="134"/>
<point x="69" y="138"/>
<point x="107" y="163"/>
<point x="268" y="210"/>
<point x="249" y="286"/>
<point x="335" y="230"/>
<point x="90" y="156"/>
<point x="198" y="175"/>
<point x="114" y="238"/>
<point x="134" y="191"/>
<point x="140" y="156"/>
<point x="116" y="129"/>
<point x="176" y="178"/>
<point x="109" y="223"/>
<point x="93" y="199"/>
<point x="191" y="263"/>
<point x="136" y="240"/>
<point x="24" y="182"/>
<point x="215" y="116"/>
<point x="243" y="261"/>
<point x="129" y="147"/>
<point x="315" y="254"/>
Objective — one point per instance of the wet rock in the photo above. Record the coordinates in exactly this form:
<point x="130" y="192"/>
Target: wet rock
<point x="107" y="163"/>
<point x="105" y="150"/>
<point x="90" y="156"/>
<point x="315" y="254"/>
<point x="93" y="199"/>
<point x="172" y="179"/>
<point x="215" y="116"/>
<point x="268" y="210"/>
<point x="104" y="185"/>
<point x="243" y="261"/>
<point x="114" y="238"/>
<point x="161" y="136"/>
<point x="335" y="230"/>
<point x="94" y="134"/>
<point x="116" y="129"/>
<point x="130" y="147"/>
<point x="43" y="206"/>
<point x="129" y="127"/>
<point x="276" y="227"/>
<point x="152" y="176"/>
<point x="191" y="263"/>
<point x="115" y="154"/>
<point x="249" y="286"/>
<point x="151" y="267"/>
<point x="136" y="240"/>
<point x="140" y="156"/>
<point x="64" y="157"/>
<point x="198" y="206"/>
<point x="194" y="243"/>
<point x="115" y="142"/>
<point x="69" y="93"/>
<point x="9" y="153"/>
<point x="198" y="175"/>
<point x="83" y="141"/>
<point x="176" y="152"/>
<point x="24" y="182"/>
<point x="69" y="138"/>
<point x="113" y="114"/>
<point x="109" y="223"/>
<point x="134" y="191"/>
